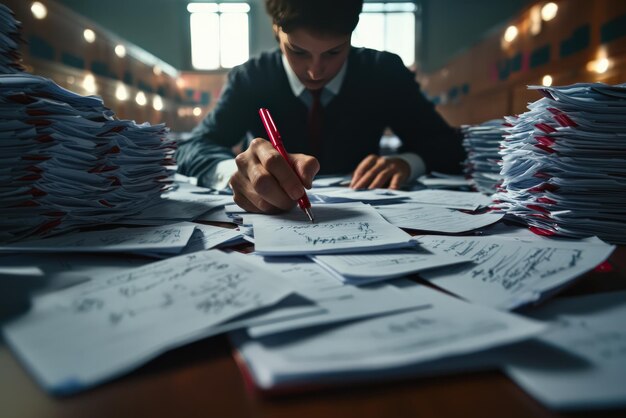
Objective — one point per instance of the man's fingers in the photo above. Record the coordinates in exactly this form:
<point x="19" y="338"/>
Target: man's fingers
<point x="396" y="181"/>
<point x="363" y="167"/>
<point x="279" y="168"/>
<point x="247" y="198"/>
<point x="306" y="168"/>
<point x="367" y="178"/>
<point x="382" y="178"/>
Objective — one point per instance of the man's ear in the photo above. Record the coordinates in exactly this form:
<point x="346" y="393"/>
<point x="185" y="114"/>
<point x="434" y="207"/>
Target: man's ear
<point x="275" y="28"/>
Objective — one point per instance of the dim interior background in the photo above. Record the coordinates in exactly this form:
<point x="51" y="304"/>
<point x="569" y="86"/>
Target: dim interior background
<point x="167" y="60"/>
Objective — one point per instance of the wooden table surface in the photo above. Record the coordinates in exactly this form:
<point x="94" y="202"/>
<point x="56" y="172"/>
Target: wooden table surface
<point x="202" y="380"/>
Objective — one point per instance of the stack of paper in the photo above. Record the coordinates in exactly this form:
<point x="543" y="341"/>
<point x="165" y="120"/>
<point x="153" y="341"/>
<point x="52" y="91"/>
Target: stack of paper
<point x="482" y="143"/>
<point x="564" y="163"/>
<point x="10" y="57"/>
<point x="66" y="162"/>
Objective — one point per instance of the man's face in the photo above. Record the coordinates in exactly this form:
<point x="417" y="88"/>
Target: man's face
<point x="315" y="58"/>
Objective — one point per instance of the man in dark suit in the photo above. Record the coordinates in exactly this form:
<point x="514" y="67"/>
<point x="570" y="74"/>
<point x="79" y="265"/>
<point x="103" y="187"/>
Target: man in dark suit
<point x="331" y="103"/>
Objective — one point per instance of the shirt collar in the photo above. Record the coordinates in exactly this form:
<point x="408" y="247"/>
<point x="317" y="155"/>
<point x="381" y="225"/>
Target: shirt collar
<point x="333" y="86"/>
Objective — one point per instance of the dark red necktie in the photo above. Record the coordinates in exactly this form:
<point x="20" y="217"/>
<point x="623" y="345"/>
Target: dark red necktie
<point x="315" y="123"/>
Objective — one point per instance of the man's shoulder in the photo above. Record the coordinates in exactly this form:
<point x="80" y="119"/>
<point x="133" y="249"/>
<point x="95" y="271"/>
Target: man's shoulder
<point x="265" y="63"/>
<point x="374" y="59"/>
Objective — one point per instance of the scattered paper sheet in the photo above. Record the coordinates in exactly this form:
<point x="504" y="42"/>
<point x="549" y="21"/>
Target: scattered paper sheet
<point x="436" y="219"/>
<point x="368" y="268"/>
<point x="110" y="325"/>
<point x="507" y="272"/>
<point x="340" y="303"/>
<point x="160" y="239"/>
<point x="580" y="362"/>
<point x="338" y="228"/>
<point x="449" y="327"/>
<point x="451" y="199"/>
<point x="206" y="237"/>
<point x="345" y="194"/>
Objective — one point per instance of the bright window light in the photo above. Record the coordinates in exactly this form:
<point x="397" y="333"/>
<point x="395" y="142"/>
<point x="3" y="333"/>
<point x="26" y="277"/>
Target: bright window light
<point x="388" y="27"/>
<point x="219" y="34"/>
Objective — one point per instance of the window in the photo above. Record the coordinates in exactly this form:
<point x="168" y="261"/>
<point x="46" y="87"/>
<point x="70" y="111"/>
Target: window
<point x="388" y="27"/>
<point x="219" y="34"/>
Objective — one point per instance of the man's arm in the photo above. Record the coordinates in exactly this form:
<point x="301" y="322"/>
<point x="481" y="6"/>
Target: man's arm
<point x="212" y="140"/>
<point x="415" y="121"/>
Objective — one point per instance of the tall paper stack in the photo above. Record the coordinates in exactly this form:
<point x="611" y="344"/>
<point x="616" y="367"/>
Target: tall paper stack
<point x="564" y="163"/>
<point x="65" y="161"/>
<point x="10" y="57"/>
<point x="482" y="143"/>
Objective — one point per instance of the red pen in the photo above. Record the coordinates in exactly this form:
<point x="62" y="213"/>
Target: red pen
<point x="277" y="143"/>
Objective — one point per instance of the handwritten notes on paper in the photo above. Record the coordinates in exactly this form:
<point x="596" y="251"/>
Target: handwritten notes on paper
<point x="92" y="332"/>
<point x="368" y="268"/>
<point x="433" y="218"/>
<point x="337" y="228"/>
<point x="447" y="328"/>
<point x="161" y="239"/>
<point x="340" y="303"/>
<point x="581" y="362"/>
<point x="507" y="272"/>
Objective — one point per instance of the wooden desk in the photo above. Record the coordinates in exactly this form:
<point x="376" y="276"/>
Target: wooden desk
<point x="202" y="380"/>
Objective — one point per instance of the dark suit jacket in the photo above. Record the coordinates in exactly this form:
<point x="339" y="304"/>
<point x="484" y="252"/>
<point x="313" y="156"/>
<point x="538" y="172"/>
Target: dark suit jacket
<point x="378" y="91"/>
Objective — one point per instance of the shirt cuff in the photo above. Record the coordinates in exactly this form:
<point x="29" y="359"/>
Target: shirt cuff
<point x="415" y="162"/>
<point x="220" y="175"/>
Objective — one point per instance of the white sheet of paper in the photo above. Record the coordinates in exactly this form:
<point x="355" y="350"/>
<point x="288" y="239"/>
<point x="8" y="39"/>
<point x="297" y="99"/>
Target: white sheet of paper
<point x="340" y="303"/>
<point x="346" y="194"/>
<point x="449" y="327"/>
<point x="206" y="237"/>
<point x="368" y="268"/>
<point x="507" y="272"/>
<point x="338" y="228"/>
<point x="582" y="363"/>
<point x="448" y="198"/>
<point x="162" y="239"/>
<point x="434" y="218"/>
<point x="105" y="327"/>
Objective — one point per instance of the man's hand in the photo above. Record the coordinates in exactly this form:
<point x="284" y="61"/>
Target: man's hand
<point x="265" y="183"/>
<point x="376" y="171"/>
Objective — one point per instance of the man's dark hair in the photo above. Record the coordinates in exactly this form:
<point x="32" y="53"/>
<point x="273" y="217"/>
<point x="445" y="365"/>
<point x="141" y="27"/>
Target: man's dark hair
<point x="326" y="16"/>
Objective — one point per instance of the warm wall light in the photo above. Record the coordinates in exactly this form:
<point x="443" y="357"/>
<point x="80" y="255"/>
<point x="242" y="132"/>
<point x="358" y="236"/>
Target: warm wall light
<point x="157" y="103"/>
<point x="121" y="92"/>
<point x="510" y="34"/>
<point x="546" y="80"/>
<point x="89" y="84"/>
<point x="120" y="50"/>
<point x="197" y="111"/>
<point x="180" y="83"/>
<point x="548" y="11"/>
<point x="39" y="10"/>
<point x="141" y="99"/>
<point x="157" y="70"/>
<point x="599" y="66"/>
<point x="535" y="20"/>
<point x="89" y="35"/>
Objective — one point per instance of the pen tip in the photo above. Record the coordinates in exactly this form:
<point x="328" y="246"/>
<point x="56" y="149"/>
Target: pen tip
<point x="309" y="213"/>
